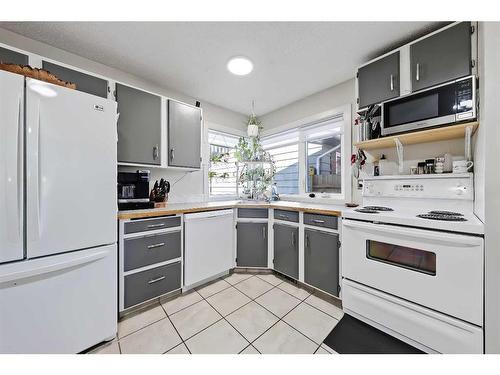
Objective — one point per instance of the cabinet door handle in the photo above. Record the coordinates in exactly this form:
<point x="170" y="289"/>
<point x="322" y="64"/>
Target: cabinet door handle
<point x="172" y="154"/>
<point x="264" y="232"/>
<point x="156" y="245"/>
<point x="307" y="241"/>
<point x="392" y="82"/>
<point x="317" y="221"/>
<point x="155" y="152"/>
<point x="293" y="238"/>
<point x="156" y="280"/>
<point x="283" y="216"/>
<point x="156" y="225"/>
<point x="417" y="77"/>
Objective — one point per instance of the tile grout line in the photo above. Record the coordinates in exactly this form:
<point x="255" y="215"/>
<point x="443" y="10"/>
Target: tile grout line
<point x="140" y="329"/>
<point x="223" y="317"/>
<point x="178" y="334"/>
<point x="252" y="299"/>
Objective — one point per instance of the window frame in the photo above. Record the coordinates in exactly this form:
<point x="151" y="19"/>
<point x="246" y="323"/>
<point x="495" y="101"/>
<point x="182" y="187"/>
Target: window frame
<point x="230" y="132"/>
<point x="346" y="184"/>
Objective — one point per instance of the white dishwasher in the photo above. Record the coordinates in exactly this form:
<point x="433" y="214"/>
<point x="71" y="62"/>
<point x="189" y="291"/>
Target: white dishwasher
<point x="208" y="245"/>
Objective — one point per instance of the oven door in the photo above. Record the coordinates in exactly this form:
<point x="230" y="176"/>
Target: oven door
<point x="439" y="270"/>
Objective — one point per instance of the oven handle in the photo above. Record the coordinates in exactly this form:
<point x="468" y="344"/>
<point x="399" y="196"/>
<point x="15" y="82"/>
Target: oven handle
<point x="429" y="236"/>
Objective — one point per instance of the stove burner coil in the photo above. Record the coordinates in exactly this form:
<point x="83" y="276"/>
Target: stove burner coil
<point x="378" y="208"/>
<point x="444" y="217"/>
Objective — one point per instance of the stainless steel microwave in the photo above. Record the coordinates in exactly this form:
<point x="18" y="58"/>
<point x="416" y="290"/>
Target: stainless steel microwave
<point x="441" y="105"/>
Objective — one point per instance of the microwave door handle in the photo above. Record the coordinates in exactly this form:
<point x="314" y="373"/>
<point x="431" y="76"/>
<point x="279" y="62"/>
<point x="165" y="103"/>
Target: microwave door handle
<point x="417" y="77"/>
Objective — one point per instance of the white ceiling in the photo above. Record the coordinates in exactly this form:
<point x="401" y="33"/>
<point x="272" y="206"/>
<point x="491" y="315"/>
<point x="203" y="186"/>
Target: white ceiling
<point x="291" y="59"/>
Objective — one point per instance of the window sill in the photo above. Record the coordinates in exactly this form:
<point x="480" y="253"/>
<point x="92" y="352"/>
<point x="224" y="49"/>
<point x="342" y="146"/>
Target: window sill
<point x="331" y="199"/>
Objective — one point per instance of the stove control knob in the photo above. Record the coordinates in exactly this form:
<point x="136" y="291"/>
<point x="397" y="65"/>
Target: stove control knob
<point x="460" y="190"/>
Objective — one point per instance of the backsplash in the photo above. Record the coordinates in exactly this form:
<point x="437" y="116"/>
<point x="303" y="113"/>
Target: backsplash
<point x="184" y="186"/>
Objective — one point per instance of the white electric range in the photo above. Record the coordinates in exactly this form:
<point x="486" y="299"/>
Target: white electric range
<point x="413" y="261"/>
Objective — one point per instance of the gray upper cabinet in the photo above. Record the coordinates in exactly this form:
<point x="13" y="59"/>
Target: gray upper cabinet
<point x="139" y="126"/>
<point x="441" y="57"/>
<point x="321" y="260"/>
<point x="184" y="135"/>
<point x="286" y="250"/>
<point x="84" y="82"/>
<point x="8" y="56"/>
<point x="251" y="244"/>
<point x="379" y="80"/>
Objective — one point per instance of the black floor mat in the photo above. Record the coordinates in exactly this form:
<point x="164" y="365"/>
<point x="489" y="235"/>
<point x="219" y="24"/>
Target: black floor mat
<point x="352" y="336"/>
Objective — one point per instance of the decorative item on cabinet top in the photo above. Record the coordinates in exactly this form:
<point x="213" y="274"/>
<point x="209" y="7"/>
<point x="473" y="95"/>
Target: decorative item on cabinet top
<point x="35" y="73"/>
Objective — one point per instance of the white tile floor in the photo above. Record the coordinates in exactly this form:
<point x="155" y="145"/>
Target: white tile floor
<point x="242" y="313"/>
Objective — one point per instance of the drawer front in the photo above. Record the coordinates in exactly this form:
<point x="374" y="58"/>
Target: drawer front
<point x="253" y="213"/>
<point x="153" y="224"/>
<point x="287" y="215"/>
<point x="143" y="251"/>
<point x="324" y="221"/>
<point x="145" y="285"/>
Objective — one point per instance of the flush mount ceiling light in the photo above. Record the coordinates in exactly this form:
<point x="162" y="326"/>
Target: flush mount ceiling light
<point x="240" y="65"/>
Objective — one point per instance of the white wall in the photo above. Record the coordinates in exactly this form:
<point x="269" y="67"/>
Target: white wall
<point x="191" y="186"/>
<point x="488" y="170"/>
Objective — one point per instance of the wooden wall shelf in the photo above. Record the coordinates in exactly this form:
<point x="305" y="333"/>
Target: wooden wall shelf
<point x="423" y="136"/>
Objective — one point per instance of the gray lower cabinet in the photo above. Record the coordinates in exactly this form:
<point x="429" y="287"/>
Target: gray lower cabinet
<point x="139" y="126"/>
<point x="143" y="251"/>
<point x="184" y="135"/>
<point x="84" y="82"/>
<point x="145" y="285"/>
<point x="251" y="244"/>
<point x="286" y="250"/>
<point x="379" y="80"/>
<point x="442" y="57"/>
<point x="321" y="260"/>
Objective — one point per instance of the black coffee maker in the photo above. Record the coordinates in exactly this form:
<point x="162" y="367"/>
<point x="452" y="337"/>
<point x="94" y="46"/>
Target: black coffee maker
<point x="133" y="190"/>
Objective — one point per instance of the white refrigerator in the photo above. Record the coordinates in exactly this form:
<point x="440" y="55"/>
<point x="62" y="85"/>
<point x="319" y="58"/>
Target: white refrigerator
<point x="58" y="266"/>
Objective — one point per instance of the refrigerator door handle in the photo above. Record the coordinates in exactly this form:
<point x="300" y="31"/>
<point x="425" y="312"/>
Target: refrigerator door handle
<point x="37" y="203"/>
<point x="19" y="167"/>
<point x="57" y="266"/>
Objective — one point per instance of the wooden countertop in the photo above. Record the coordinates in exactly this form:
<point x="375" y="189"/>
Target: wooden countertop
<point x="184" y="208"/>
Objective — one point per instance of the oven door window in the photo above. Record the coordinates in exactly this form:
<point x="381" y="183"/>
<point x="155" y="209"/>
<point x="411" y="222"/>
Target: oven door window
<point x="401" y="256"/>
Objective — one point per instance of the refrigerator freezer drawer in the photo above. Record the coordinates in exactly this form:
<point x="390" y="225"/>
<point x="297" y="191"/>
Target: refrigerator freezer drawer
<point x="60" y="304"/>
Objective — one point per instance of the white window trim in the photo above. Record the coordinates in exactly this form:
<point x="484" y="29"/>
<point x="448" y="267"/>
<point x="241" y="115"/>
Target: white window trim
<point x="206" y="165"/>
<point x="303" y="196"/>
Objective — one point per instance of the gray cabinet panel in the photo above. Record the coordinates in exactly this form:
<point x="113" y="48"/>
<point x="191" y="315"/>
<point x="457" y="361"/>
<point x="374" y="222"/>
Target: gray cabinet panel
<point x="292" y="216"/>
<point x="184" y="135"/>
<point x="84" y="82"/>
<point x="145" y="285"/>
<point x="253" y="213"/>
<point x="318" y="220"/>
<point x="441" y="57"/>
<point x="12" y="57"/>
<point x="139" y="126"/>
<point x="251" y="244"/>
<point x="286" y="250"/>
<point x="152" y="224"/>
<point x="379" y="81"/>
<point x="147" y="250"/>
<point x="321" y="260"/>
